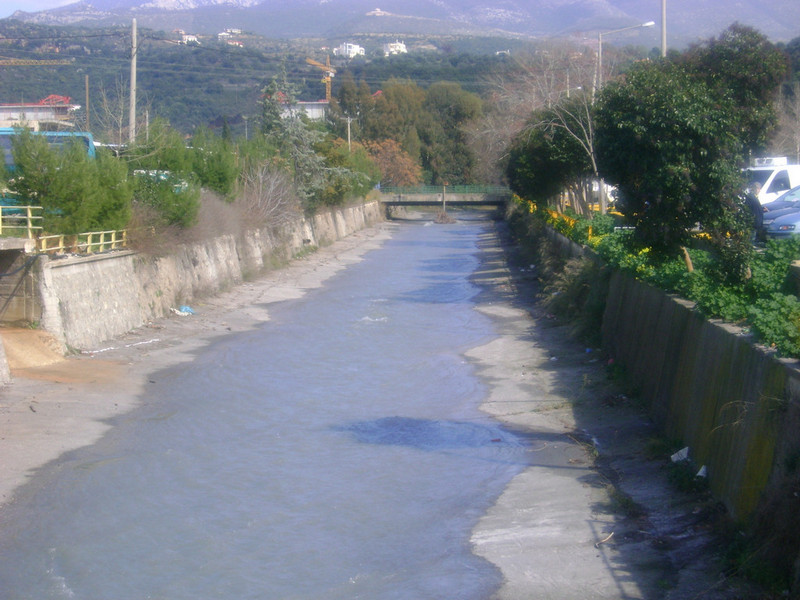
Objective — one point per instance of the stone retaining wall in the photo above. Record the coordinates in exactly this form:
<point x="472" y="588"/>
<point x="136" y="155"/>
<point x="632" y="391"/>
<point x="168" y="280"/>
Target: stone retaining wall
<point x="86" y="300"/>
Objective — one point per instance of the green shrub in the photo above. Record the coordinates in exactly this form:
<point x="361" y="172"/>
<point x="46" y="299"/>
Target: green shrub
<point x="77" y="192"/>
<point x="214" y="162"/>
<point x="176" y="202"/>
<point x="776" y="321"/>
<point x="598" y="225"/>
<point x="765" y="301"/>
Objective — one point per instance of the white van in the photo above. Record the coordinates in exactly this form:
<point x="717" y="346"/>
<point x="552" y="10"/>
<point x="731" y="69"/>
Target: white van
<point x="768" y="178"/>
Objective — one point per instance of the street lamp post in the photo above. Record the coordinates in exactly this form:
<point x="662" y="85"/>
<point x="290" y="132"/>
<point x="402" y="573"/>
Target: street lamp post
<point x="600" y="47"/>
<point x="599" y="84"/>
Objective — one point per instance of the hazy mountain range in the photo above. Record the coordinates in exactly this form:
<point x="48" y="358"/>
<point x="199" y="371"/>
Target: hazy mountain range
<point x="687" y="20"/>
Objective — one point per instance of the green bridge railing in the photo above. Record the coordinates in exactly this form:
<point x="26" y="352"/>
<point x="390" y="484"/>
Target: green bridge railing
<point x="449" y="189"/>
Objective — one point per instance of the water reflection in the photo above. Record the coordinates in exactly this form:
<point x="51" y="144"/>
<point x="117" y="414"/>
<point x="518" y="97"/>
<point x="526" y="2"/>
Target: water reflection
<point x="429" y="434"/>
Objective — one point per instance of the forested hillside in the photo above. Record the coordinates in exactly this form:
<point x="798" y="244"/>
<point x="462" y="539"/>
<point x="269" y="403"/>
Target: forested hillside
<point x="205" y="84"/>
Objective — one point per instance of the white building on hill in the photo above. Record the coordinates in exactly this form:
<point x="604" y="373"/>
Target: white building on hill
<point x="394" y="48"/>
<point x="348" y="50"/>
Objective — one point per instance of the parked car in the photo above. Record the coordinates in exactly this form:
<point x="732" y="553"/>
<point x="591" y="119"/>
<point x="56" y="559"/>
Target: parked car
<point x="785" y="200"/>
<point x="786" y="204"/>
<point x="784" y="226"/>
<point x="769" y="178"/>
<point x="772" y="215"/>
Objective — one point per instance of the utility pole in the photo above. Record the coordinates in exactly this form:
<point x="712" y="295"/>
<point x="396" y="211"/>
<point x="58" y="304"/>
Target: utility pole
<point x="132" y="117"/>
<point x="87" y="103"/>
<point x="663" y="28"/>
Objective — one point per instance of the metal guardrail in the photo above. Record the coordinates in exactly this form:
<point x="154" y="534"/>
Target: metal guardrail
<point x="449" y="189"/>
<point x="90" y="242"/>
<point x="20" y="221"/>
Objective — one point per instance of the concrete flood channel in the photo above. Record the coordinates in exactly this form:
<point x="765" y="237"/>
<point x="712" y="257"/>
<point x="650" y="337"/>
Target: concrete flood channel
<point x="414" y="428"/>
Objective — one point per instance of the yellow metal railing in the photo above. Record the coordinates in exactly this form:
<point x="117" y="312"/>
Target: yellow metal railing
<point x="23" y="221"/>
<point x="20" y="221"/>
<point x="90" y="242"/>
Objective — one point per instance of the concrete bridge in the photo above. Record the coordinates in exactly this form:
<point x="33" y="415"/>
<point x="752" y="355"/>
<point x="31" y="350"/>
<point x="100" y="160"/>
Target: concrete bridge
<point x="444" y="197"/>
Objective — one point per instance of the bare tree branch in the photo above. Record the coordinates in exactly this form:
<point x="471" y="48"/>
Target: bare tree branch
<point x="268" y="196"/>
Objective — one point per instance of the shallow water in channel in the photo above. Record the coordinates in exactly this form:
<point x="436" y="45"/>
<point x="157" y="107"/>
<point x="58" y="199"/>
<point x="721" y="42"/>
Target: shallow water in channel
<point x="336" y="451"/>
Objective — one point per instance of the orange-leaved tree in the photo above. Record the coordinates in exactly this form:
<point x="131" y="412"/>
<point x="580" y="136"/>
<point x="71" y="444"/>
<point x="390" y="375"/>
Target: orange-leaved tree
<point x="396" y="165"/>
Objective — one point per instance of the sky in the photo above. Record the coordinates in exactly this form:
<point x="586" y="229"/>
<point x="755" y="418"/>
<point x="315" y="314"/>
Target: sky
<point x="8" y="7"/>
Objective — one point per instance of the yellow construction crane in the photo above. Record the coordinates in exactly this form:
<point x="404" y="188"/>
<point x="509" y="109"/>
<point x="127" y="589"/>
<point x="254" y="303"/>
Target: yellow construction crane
<point x="29" y="62"/>
<point x="329" y="73"/>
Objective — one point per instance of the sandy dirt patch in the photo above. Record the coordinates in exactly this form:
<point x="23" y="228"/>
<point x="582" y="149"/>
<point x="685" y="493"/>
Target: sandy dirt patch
<point x="33" y="354"/>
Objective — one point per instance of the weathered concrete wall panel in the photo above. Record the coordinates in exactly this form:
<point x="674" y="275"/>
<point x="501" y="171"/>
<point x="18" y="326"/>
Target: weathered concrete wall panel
<point x="706" y="385"/>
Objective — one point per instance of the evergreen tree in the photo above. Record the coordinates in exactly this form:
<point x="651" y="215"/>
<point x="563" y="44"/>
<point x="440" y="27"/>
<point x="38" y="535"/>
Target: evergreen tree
<point x="78" y="193"/>
<point x="446" y="154"/>
<point x="744" y="69"/>
<point x="214" y="162"/>
<point x="277" y="96"/>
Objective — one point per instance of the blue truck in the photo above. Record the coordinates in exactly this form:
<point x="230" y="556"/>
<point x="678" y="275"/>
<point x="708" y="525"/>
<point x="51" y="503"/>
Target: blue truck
<point x="56" y="139"/>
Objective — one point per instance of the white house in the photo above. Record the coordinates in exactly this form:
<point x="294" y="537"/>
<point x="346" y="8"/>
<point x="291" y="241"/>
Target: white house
<point x="348" y="50"/>
<point x="394" y="48"/>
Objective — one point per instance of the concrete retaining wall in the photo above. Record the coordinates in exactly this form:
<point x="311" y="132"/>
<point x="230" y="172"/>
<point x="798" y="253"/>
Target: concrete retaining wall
<point x="86" y="300"/>
<point x="707" y="386"/>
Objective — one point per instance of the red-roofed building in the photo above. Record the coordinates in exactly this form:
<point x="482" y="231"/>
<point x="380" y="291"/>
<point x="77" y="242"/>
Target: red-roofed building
<point x="51" y="112"/>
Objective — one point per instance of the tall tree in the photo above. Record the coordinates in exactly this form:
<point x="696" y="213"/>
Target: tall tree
<point x="398" y="109"/>
<point x="670" y="144"/>
<point x="278" y="94"/>
<point x="446" y="156"/>
<point x="396" y="165"/>
<point x="352" y="107"/>
<point x="523" y="85"/>
<point x="788" y="134"/>
<point x="745" y="69"/>
<point x="549" y="157"/>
